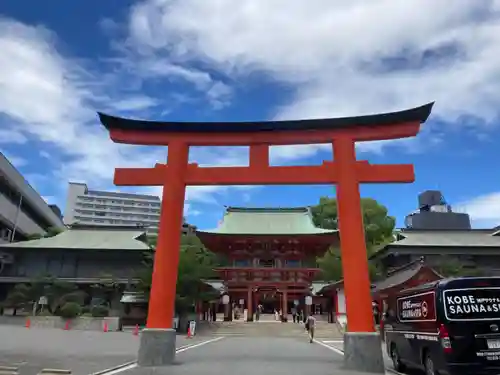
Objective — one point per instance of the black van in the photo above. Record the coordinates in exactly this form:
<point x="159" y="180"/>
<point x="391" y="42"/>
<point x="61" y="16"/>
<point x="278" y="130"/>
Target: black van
<point x="450" y="326"/>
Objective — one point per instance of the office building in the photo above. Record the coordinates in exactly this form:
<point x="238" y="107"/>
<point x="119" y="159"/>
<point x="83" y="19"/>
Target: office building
<point x="23" y="212"/>
<point x="97" y="207"/>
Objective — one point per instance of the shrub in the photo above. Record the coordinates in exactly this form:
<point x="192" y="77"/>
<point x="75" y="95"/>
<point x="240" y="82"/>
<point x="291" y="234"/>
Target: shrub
<point x="78" y="296"/>
<point x="99" y="311"/>
<point x="70" y="310"/>
<point x="86" y="310"/>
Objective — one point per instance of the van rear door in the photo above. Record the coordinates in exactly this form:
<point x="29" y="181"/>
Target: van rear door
<point x="472" y="318"/>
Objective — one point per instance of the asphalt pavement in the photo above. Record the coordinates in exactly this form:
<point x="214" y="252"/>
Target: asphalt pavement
<point x="82" y="352"/>
<point x="86" y="353"/>
<point x="250" y="356"/>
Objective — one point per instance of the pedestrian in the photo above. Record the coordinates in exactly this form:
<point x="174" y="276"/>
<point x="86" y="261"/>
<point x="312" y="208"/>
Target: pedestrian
<point x="294" y="314"/>
<point x="214" y="314"/>
<point x="257" y="312"/>
<point x="376" y="312"/>
<point x="310" y="326"/>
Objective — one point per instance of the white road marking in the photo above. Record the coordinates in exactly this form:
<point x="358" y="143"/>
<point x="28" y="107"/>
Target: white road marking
<point x="131" y="365"/>
<point x="338" y="351"/>
<point x="183" y="349"/>
<point x="332" y="341"/>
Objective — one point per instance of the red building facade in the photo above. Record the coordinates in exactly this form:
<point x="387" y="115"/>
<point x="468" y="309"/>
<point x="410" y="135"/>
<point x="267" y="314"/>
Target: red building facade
<point x="271" y="255"/>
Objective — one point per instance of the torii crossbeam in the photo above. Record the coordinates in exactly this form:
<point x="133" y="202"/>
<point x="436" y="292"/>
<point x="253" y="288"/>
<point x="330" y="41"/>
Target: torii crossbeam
<point x="345" y="171"/>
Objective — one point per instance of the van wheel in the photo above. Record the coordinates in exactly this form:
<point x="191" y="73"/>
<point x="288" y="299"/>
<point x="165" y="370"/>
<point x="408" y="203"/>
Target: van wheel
<point x="429" y="366"/>
<point x="396" y="360"/>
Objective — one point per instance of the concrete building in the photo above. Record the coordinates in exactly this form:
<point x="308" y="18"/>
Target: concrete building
<point x="97" y="207"/>
<point x="22" y="210"/>
<point x="435" y="214"/>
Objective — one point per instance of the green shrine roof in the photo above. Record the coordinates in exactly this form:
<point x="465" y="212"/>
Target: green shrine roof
<point x="267" y="221"/>
<point x="90" y="238"/>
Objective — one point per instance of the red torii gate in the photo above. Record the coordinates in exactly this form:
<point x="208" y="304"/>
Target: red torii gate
<point x="344" y="171"/>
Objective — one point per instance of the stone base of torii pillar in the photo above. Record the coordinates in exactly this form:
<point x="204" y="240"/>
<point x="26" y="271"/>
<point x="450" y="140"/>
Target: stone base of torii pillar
<point x="157" y="347"/>
<point x="363" y="352"/>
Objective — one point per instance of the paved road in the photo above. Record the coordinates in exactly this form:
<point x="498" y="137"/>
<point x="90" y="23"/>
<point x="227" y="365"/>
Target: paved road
<point x="338" y="347"/>
<point x="253" y="355"/>
<point x="83" y="352"/>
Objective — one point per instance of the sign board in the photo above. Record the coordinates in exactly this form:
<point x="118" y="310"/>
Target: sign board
<point x="242" y="301"/>
<point x="417" y="308"/>
<point x="296" y="302"/>
<point x="192" y="327"/>
<point x="43" y="301"/>
<point x="472" y="304"/>
<point x="308" y="300"/>
<point x="225" y="299"/>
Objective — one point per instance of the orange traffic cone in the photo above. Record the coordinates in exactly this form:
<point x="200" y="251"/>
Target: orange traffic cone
<point x="136" y="330"/>
<point x="189" y="333"/>
<point x="28" y="323"/>
<point x="66" y="326"/>
<point x="105" y="327"/>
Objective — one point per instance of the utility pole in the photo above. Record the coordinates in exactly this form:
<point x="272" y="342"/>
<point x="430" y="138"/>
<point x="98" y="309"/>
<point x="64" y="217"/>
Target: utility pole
<point x="17" y="218"/>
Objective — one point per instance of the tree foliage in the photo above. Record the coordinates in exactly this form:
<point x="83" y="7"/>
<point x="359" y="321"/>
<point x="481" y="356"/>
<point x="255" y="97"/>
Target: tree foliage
<point x="104" y="291"/>
<point x="196" y="264"/>
<point x="379" y="227"/>
<point x="56" y="291"/>
<point x="451" y="267"/>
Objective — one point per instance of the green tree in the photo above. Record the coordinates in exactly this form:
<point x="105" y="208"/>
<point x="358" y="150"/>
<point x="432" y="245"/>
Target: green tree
<point x="18" y="297"/>
<point x="451" y="267"/>
<point x="195" y="264"/>
<point x="56" y="291"/>
<point x="105" y="290"/>
<point x="378" y="226"/>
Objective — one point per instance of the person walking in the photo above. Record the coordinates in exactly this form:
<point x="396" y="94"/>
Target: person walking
<point x="294" y="314"/>
<point x="310" y="326"/>
<point x="258" y="311"/>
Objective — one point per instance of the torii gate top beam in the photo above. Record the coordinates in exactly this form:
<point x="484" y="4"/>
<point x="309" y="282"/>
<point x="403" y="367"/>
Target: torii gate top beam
<point x="384" y="126"/>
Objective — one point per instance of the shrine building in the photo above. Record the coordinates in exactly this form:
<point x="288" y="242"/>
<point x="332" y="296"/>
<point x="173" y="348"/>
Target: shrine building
<point x="270" y="256"/>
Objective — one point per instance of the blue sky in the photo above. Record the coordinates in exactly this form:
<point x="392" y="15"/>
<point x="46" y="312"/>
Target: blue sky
<point x="188" y="60"/>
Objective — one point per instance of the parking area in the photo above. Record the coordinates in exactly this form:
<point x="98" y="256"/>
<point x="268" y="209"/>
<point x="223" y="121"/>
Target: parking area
<point x="82" y="352"/>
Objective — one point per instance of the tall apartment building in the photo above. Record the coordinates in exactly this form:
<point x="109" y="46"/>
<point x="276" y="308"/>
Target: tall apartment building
<point x="96" y="207"/>
<point x="23" y="211"/>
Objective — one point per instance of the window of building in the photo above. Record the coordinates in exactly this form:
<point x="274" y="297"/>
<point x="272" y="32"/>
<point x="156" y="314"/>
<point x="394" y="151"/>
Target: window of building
<point x="100" y="214"/>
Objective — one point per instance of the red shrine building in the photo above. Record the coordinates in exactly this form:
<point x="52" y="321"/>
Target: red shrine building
<point x="270" y="257"/>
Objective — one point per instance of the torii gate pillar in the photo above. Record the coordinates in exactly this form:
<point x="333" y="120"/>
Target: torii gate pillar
<point x="362" y="349"/>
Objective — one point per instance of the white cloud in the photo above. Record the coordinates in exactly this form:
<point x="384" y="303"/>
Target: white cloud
<point x="336" y="54"/>
<point x="51" y="99"/>
<point x="135" y="103"/>
<point x="12" y="137"/>
<point x="329" y="53"/>
<point x="484" y="210"/>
